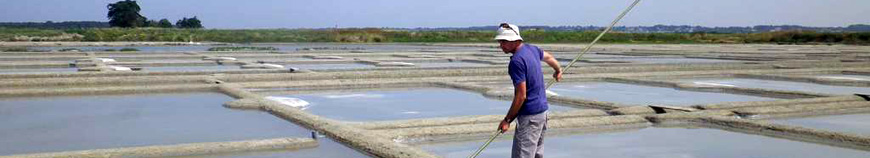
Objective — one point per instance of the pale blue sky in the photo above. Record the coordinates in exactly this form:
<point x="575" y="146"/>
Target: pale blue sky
<point x="455" y="13"/>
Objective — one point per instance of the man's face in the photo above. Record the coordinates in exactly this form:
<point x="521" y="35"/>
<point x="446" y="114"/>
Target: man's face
<point x="508" y="46"/>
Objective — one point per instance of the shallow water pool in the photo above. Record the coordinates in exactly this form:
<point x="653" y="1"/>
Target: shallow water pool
<point x="404" y="104"/>
<point x="656" y="143"/>
<point x="784" y="85"/>
<point x="53" y="124"/>
<point x="852" y="123"/>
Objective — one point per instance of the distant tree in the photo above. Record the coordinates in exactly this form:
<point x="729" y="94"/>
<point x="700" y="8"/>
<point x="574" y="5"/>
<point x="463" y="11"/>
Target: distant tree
<point x="164" y="23"/>
<point x="181" y="23"/>
<point x="192" y="23"/>
<point x="151" y="23"/>
<point x="125" y="14"/>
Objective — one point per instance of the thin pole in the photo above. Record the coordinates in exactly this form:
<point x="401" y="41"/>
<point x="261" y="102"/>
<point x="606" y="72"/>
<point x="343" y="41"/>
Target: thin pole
<point x="486" y="144"/>
<point x="588" y="47"/>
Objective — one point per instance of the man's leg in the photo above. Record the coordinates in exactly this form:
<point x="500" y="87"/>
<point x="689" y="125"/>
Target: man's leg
<point x="528" y="135"/>
<point x="539" y="153"/>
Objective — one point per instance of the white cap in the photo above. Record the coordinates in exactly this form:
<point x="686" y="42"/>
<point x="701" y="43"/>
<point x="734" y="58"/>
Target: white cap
<point x="508" y="32"/>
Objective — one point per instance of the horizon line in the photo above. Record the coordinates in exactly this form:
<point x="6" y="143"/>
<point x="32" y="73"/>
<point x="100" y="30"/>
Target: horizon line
<point x="448" y="27"/>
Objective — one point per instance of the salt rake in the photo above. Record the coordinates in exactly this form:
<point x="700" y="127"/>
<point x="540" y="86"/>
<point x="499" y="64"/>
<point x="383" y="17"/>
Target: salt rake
<point x="553" y="81"/>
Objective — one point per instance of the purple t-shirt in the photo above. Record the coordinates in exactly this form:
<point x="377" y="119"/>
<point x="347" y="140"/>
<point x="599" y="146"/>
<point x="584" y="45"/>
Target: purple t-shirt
<point x="525" y="66"/>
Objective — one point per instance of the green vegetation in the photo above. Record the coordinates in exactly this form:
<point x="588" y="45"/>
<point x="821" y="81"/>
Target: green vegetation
<point x="164" y="23"/>
<point x="380" y="35"/>
<point x="19" y="34"/>
<point x="69" y="50"/>
<point x="241" y="48"/>
<point x="125" y="14"/>
<point x="129" y="50"/>
<point x="192" y="23"/>
<point x="13" y="49"/>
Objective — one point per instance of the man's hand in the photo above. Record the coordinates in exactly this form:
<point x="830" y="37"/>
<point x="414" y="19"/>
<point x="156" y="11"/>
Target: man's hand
<point x="558" y="76"/>
<point x="504" y="126"/>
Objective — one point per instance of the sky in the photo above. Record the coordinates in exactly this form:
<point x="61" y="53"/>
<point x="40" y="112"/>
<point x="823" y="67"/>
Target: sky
<point x="250" y="14"/>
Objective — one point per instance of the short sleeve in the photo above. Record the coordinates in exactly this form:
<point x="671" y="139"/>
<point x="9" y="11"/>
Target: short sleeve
<point x="517" y="71"/>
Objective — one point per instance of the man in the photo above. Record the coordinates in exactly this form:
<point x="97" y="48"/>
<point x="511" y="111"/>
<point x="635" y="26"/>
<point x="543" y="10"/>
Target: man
<point x="529" y="106"/>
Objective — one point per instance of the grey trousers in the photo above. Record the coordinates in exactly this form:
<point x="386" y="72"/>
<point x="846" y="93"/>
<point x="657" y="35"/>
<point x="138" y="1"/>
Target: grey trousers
<point x="529" y="136"/>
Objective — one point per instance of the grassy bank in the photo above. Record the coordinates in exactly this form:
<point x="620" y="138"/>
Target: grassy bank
<point x="378" y="35"/>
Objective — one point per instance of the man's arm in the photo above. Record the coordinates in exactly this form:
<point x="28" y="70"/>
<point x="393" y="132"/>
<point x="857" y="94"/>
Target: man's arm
<point x="550" y="60"/>
<point x="519" y="98"/>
